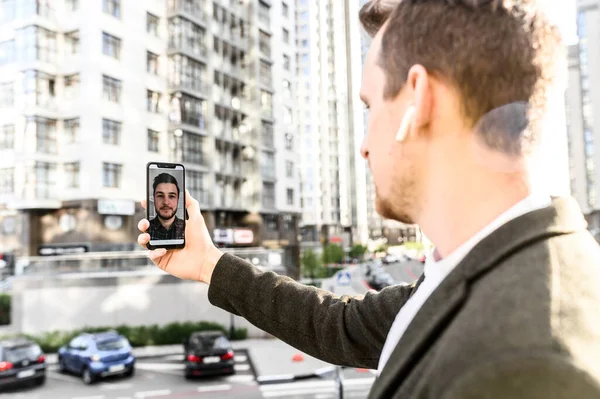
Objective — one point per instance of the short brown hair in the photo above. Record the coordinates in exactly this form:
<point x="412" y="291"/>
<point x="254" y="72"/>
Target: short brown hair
<point x="495" y="52"/>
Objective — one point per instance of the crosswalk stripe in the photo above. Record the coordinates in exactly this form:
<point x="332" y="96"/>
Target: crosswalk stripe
<point x="215" y="388"/>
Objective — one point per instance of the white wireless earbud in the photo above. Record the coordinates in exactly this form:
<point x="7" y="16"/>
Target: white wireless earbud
<point x="405" y="125"/>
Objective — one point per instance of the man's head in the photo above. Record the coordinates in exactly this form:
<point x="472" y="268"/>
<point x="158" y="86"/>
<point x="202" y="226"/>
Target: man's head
<point x="449" y="75"/>
<point x="166" y="196"/>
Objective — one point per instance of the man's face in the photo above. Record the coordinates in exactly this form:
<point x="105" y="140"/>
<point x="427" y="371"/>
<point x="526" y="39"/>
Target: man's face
<point x="166" y="198"/>
<point x="394" y="165"/>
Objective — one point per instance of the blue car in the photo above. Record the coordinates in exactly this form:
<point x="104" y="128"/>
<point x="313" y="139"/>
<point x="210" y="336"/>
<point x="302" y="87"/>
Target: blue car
<point x="94" y="356"/>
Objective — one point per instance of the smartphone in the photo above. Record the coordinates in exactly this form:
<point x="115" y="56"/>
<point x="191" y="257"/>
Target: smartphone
<point x="165" y="205"/>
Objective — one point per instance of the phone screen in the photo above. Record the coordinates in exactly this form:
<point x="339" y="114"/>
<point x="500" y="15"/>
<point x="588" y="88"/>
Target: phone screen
<point x="166" y="205"/>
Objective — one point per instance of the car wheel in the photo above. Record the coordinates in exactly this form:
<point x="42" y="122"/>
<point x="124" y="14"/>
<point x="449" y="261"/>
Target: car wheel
<point x="130" y="372"/>
<point x="62" y="367"/>
<point x="188" y="375"/>
<point x="40" y="380"/>
<point x="87" y="376"/>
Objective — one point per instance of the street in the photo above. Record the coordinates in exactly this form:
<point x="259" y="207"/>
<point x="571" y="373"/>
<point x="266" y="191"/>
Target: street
<point x="162" y="377"/>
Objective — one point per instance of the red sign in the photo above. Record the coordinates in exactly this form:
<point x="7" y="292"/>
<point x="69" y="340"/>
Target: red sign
<point x="335" y="239"/>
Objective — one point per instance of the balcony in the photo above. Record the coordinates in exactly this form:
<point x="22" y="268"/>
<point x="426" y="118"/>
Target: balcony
<point x="195" y="87"/>
<point x="198" y="51"/>
<point x="195" y="12"/>
<point x="264" y="16"/>
<point x="202" y="196"/>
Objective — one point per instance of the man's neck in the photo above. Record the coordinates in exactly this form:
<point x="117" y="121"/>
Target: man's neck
<point x="455" y="216"/>
<point x="167" y="223"/>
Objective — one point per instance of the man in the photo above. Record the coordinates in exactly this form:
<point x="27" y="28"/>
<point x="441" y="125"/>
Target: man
<point x="166" y="225"/>
<point x="507" y="306"/>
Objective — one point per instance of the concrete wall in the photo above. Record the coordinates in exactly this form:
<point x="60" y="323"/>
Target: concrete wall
<point x="69" y="302"/>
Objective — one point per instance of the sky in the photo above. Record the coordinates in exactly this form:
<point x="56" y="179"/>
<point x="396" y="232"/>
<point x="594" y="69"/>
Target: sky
<point x="563" y="13"/>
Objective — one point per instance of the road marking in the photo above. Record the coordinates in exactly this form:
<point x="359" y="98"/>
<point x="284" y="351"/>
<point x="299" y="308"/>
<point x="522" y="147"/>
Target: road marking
<point x="304" y="391"/>
<point x="350" y="382"/>
<point x="240" y="378"/>
<point x="159" y="366"/>
<point x="89" y="397"/>
<point x="241" y="367"/>
<point x="214" y="388"/>
<point x="151" y="394"/>
<point x="240" y="358"/>
<point x="323" y="396"/>
<point x="107" y="386"/>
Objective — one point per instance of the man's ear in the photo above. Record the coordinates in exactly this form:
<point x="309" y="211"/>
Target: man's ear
<point x="419" y="83"/>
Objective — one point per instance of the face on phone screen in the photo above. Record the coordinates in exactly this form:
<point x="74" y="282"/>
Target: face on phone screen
<point x="166" y="209"/>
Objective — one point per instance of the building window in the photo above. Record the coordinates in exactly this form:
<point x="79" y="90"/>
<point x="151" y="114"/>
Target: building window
<point x="38" y="89"/>
<point x="192" y="111"/>
<point x="111" y="175"/>
<point x="152" y="63"/>
<point x="264" y="11"/>
<point x="44" y="175"/>
<point x="72" y="175"/>
<point x="7" y="137"/>
<point x="71" y="86"/>
<point x="71" y="130"/>
<point x="193" y="148"/>
<point x="268" y="195"/>
<point x="289" y="169"/>
<point x="111" y="88"/>
<point x="36" y="44"/>
<point x="267" y="165"/>
<point x="7" y="94"/>
<point x="187" y="73"/>
<point x="7" y="181"/>
<point x="264" y="43"/>
<point x="7" y="52"/>
<point x="266" y="103"/>
<point x="72" y="5"/>
<point x="7" y="10"/>
<point x="264" y="73"/>
<point x="289" y="142"/>
<point x="286" y="62"/>
<point x="290" y="196"/>
<point x="111" y="132"/>
<point x="153" y="140"/>
<point x="112" y="7"/>
<point x="186" y="35"/>
<point x="287" y="115"/>
<point x="195" y="183"/>
<point x="267" y="138"/>
<point x="287" y="89"/>
<point x="72" y="42"/>
<point x="285" y="9"/>
<point x="286" y="36"/>
<point x="152" y="22"/>
<point x="45" y="134"/>
<point x="153" y="101"/>
<point x="111" y="45"/>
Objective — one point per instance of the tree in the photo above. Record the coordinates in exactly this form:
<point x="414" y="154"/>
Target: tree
<point x="383" y="248"/>
<point x="310" y="263"/>
<point x="333" y="254"/>
<point x="358" y="251"/>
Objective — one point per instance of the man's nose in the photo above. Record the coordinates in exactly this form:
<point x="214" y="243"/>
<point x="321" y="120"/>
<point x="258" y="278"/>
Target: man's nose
<point x="363" y="150"/>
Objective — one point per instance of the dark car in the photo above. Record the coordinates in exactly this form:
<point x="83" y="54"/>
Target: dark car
<point x="208" y="353"/>
<point x="21" y="361"/>
<point x="379" y="279"/>
<point x="95" y="356"/>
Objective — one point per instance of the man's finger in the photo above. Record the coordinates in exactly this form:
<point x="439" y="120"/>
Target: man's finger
<point x="192" y="206"/>
<point x="156" y="254"/>
<point x="143" y="225"/>
<point x="143" y="239"/>
<point x="143" y="202"/>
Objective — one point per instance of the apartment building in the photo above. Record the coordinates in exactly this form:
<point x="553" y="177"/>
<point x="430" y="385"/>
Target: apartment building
<point x="93" y="90"/>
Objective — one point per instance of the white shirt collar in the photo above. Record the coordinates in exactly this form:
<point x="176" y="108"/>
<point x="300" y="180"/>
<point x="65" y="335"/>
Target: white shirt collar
<point x="441" y="268"/>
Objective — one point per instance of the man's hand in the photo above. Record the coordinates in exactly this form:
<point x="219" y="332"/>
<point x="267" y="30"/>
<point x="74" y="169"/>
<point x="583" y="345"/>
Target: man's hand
<point x="199" y="257"/>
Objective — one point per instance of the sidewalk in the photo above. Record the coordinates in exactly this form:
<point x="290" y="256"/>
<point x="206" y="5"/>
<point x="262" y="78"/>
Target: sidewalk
<point x="271" y="358"/>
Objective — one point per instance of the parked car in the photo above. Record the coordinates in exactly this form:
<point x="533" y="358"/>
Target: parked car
<point x="94" y="356"/>
<point x="379" y="279"/>
<point x="208" y="353"/>
<point x="21" y="361"/>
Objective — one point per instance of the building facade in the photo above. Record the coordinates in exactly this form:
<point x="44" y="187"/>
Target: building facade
<point x="92" y="91"/>
<point x="330" y="122"/>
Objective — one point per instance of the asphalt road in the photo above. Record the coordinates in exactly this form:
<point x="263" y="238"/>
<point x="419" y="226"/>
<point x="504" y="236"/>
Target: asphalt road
<point x="405" y="272"/>
<point x="162" y="378"/>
